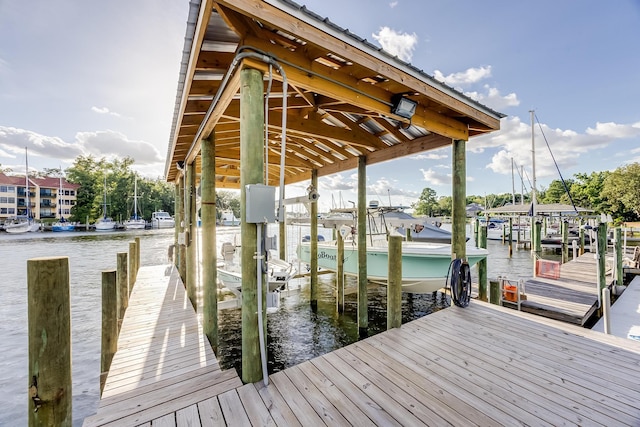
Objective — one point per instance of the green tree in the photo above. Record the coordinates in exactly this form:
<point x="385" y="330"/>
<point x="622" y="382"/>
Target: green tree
<point x="426" y="203"/>
<point x="587" y="191"/>
<point x="622" y="191"/>
<point x="5" y="170"/>
<point x="556" y="192"/>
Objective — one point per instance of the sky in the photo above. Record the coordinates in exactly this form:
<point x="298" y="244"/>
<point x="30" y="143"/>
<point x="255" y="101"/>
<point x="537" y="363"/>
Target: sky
<point x="99" y="78"/>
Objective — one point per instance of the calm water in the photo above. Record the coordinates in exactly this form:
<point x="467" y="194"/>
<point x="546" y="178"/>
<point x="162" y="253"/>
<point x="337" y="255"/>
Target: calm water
<point x="296" y="333"/>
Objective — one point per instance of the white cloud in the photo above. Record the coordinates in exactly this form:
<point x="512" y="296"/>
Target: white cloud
<point x="492" y="98"/>
<point x="13" y="141"/>
<point x="464" y="78"/>
<point x="434" y="178"/>
<point x="113" y="144"/>
<point x="383" y="188"/>
<point x="429" y="156"/>
<point x="105" y="110"/>
<point x="400" y="44"/>
<point x="393" y="4"/>
<point x="55" y="150"/>
<point x="337" y="182"/>
<point x="514" y="141"/>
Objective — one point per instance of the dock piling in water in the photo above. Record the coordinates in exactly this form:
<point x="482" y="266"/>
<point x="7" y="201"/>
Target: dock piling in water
<point x="122" y="287"/>
<point x="109" y="343"/>
<point x="394" y="286"/>
<point x="49" y="313"/>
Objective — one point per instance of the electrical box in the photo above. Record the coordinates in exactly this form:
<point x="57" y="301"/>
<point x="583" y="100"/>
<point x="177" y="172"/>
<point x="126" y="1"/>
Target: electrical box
<point x="260" y="204"/>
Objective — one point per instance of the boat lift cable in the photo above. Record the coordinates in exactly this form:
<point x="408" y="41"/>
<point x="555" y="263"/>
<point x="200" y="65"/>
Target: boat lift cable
<point x="564" y="184"/>
<point x="460" y="283"/>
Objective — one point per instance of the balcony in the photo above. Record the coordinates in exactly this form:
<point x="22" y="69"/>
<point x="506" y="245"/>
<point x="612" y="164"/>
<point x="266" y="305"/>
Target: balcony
<point x="47" y="204"/>
<point x="48" y="193"/>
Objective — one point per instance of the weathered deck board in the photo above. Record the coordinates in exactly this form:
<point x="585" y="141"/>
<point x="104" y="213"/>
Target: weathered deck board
<point x="571" y="298"/>
<point x="164" y="366"/>
<point x="483" y="365"/>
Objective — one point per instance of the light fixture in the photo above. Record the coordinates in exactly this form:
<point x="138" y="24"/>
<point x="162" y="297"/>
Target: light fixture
<point x="403" y="107"/>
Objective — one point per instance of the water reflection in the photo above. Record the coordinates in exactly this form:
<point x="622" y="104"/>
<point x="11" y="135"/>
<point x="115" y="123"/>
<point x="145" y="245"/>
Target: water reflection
<point x="296" y="333"/>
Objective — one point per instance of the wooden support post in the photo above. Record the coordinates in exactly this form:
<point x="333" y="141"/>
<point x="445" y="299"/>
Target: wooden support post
<point x="476" y="230"/>
<point x="181" y="223"/>
<point x="251" y="172"/>
<point x="340" y="273"/>
<point x="313" y="262"/>
<point x="459" y="196"/>
<point x="137" y="239"/>
<point x="602" y="256"/>
<point x="178" y="218"/>
<point x="564" y="228"/>
<point x="209" y="256"/>
<point x="510" y="237"/>
<point x="536" y="247"/>
<point x="394" y="286"/>
<point x="192" y="256"/>
<point x="494" y="292"/>
<point x="122" y="280"/>
<point x="49" y="313"/>
<point x="606" y="310"/>
<point x="282" y="242"/>
<point x="132" y="265"/>
<point x="363" y="303"/>
<point x="407" y="233"/>
<point x="482" y="266"/>
<point x="109" y="323"/>
<point x="581" y="237"/>
<point x="618" y="256"/>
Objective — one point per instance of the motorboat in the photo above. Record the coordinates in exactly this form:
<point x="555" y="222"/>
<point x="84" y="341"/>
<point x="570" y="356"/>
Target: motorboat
<point x="162" y="219"/>
<point x="425" y="265"/>
<point x="279" y="272"/>
<point x="228" y="218"/>
<point x="63" y="225"/>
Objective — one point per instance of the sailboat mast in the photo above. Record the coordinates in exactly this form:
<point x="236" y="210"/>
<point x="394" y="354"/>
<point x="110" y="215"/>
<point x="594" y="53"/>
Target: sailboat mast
<point x="522" y="184"/>
<point x="135" y="198"/>
<point x="26" y="179"/>
<point x="533" y="165"/>
<point x="513" y="185"/>
<point x="104" y="198"/>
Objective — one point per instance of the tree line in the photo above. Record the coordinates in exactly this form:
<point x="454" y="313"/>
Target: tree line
<point x="610" y="192"/>
<point x="153" y="194"/>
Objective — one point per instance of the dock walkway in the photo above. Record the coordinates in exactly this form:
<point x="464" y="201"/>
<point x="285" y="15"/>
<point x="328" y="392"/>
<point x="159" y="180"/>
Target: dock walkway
<point x="482" y="365"/>
<point x="164" y="364"/>
<point x="625" y="313"/>
<point x="572" y="297"/>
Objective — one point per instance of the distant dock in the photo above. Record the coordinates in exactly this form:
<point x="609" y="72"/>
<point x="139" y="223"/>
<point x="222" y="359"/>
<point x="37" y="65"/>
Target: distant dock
<point x="483" y="365"/>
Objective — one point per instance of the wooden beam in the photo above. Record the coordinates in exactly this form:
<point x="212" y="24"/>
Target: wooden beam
<point x="266" y="13"/>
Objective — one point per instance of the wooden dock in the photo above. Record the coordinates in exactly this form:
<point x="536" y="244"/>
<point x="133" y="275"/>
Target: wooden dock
<point x="164" y="364"/>
<point x="572" y="297"/>
<point x="483" y="365"/>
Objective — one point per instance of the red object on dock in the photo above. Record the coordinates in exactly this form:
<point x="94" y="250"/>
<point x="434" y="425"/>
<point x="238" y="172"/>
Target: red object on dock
<point x="548" y="269"/>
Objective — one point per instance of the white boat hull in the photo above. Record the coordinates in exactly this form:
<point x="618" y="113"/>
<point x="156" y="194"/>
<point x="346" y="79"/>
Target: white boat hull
<point x="135" y="224"/>
<point x="425" y="266"/>
<point x="16" y="228"/>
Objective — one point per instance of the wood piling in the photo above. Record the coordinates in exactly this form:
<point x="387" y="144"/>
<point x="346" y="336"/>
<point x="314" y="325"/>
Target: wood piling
<point x="209" y="256"/>
<point x="564" y="227"/>
<point x="602" y="255"/>
<point x="122" y="287"/>
<point x="132" y="265"/>
<point x="340" y="273"/>
<point x="49" y="325"/>
<point x="494" y="292"/>
<point x="618" y="256"/>
<point x="137" y="240"/>
<point x="109" y="343"/>
<point x="482" y="266"/>
<point x="459" y="195"/>
<point x="510" y="237"/>
<point x="313" y="262"/>
<point x="192" y="261"/>
<point x="394" y="285"/>
<point x="363" y="304"/>
<point x="251" y="172"/>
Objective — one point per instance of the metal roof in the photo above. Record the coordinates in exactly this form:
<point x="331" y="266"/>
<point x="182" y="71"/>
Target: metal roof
<point x="338" y="102"/>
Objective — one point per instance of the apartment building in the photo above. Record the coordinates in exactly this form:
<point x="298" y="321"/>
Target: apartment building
<point x="48" y="198"/>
